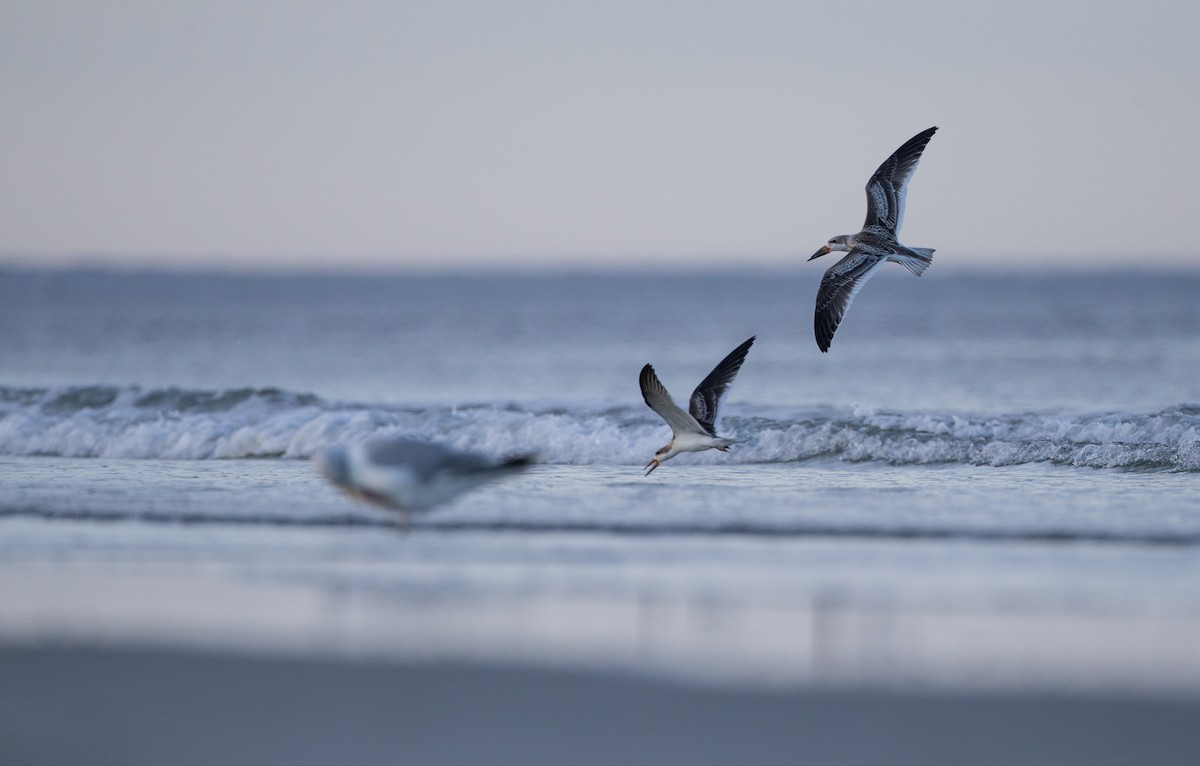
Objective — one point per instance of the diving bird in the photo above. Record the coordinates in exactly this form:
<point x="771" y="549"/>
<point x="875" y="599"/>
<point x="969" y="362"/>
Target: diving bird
<point x="410" y="475"/>
<point x="876" y="244"/>
<point x="694" y="430"/>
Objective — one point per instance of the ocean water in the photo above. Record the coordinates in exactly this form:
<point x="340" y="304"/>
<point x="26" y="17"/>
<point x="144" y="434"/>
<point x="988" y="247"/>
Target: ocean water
<point x="989" y="480"/>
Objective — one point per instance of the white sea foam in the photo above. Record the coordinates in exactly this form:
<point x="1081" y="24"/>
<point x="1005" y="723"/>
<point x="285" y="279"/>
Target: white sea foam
<point x="131" y="422"/>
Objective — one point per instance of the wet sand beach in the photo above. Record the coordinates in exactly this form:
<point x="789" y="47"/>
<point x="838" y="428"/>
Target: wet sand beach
<point x="61" y="705"/>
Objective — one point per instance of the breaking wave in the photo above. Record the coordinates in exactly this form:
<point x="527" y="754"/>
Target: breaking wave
<point x="172" y="423"/>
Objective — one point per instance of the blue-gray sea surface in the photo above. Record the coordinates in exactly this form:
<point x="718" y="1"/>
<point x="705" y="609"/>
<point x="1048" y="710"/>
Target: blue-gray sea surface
<point x="988" y="480"/>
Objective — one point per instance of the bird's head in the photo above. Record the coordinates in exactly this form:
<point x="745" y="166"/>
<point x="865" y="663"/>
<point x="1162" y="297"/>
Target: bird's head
<point x="332" y="463"/>
<point x="840" y="242"/>
<point x="660" y="457"/>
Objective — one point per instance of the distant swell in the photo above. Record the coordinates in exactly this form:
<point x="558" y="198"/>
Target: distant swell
<point x="170" y="423"/>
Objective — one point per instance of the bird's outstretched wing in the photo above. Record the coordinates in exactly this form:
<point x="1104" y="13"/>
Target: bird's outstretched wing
<point x="660" y="401"/>
<point x="706" y="399"/>
<point x="841" y="283"/>
<point x="887" y="189"/>
<point x="425" y="460"/>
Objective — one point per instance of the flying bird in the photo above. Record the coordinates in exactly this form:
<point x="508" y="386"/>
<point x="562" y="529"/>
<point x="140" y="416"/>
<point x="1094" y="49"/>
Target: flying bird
<point x="694" y="430"/>
<point x="410" y="475"/>
<point x="876" y="244"/>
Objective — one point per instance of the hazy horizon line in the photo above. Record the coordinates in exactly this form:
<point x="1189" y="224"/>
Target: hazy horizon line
<point x="721" y="261"/>
<point x="729" y="265"/>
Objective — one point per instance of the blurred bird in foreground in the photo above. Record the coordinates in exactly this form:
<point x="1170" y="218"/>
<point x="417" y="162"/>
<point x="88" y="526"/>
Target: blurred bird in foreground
<point x="410" y="475"/>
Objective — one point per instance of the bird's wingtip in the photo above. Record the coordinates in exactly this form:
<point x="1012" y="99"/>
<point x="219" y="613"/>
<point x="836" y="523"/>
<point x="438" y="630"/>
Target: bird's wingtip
<point x="520" y="461"/>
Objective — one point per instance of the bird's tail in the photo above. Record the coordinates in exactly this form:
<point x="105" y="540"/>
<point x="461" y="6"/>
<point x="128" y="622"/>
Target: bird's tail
<point x="916" y="259"/>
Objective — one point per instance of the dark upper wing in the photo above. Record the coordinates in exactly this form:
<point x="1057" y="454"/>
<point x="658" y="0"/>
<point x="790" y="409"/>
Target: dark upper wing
<point x="887" y="189"/>
<point x="707" y="396"/>
<point x="840" y="284"/>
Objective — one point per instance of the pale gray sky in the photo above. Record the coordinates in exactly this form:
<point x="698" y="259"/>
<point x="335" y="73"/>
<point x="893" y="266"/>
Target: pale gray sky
<point x="258" y="133"/>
